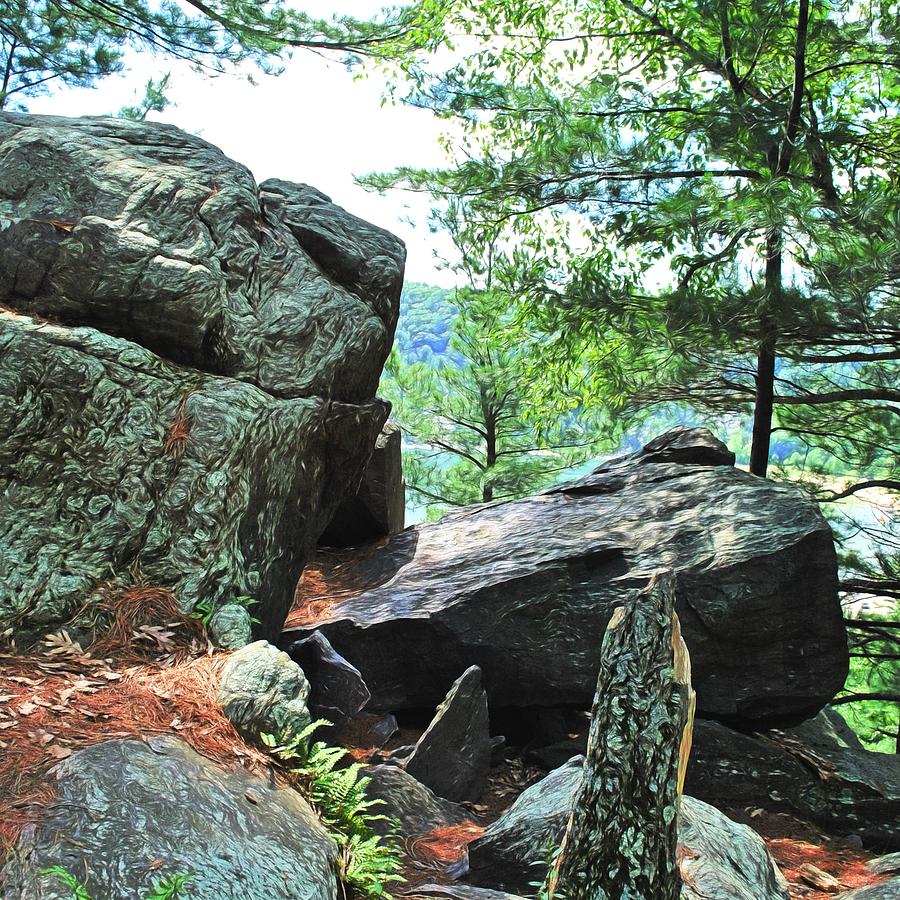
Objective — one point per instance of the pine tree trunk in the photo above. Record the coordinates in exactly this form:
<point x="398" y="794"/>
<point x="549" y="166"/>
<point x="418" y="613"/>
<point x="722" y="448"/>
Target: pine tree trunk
<point x="765" y="361"/>
<point x="622" y="838"/>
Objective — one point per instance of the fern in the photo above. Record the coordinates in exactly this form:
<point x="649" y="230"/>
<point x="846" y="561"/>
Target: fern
<point x="169" y="887"/>
<point x="368" y="862"/>
<point x="79" y="891"/>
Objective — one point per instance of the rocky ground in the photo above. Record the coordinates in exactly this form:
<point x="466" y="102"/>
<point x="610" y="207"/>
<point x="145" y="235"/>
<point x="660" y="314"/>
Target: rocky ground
<point x="58" y="700"/>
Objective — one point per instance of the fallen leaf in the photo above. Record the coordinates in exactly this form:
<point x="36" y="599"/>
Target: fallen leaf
<point x="58" y="752"/>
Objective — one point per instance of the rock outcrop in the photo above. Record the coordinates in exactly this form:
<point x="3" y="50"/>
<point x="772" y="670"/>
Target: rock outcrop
<point x="130" y="812"/>
<point x="720" y="859"/>
<point x="379" y="506"/>
<point x="525" y="589"/>
<point x="188" y="363"/>
<point x="817" y="771"/>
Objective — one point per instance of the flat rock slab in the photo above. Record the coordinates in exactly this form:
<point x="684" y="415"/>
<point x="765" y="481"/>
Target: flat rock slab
<point x="130" y="812"/>
<point x="188" y="362"/>
<point x="721" y="859"/>
<point x="453" y="755"/>
<point x="816" y="772"/>
<point x="525" y="589"/>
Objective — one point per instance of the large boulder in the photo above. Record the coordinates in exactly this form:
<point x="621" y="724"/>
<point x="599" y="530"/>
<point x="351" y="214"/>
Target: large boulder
<point x="379" y="506"/>
<point x="188" y="362"/>
<point x="817" y="771"/>
<point x="130" y="812"/>
<point x="719" y="859"/>
<point x="525" y="589"/>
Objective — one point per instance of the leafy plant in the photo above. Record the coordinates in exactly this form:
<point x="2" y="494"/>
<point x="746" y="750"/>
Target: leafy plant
<point x="79" y="891"/>
<point x="169" y="887"/>
<point x="206" y="609"/>
<point x="368" y="863"/>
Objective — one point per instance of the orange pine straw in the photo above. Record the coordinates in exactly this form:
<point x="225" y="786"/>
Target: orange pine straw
<point x="57" y="713"/>
<point x="846" y="865"/>
<point x="446" y="844"/>
<point x="129" y="608"/>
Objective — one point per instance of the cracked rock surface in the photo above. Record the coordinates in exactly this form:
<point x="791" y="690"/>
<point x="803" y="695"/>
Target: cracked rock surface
<point x="525" y="589"/>
<point x="188" y="363"/>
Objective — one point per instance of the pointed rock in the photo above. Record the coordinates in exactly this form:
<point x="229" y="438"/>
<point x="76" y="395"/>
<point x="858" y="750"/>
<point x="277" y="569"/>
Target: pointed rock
<point x="453" y="756"/>
<point x="337" y="690"/>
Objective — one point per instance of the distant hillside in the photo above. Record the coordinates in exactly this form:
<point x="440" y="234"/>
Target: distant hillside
<point x="426" y="313"/>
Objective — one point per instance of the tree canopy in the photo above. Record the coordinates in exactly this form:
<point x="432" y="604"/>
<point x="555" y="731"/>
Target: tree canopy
<point x="77" y="42"/>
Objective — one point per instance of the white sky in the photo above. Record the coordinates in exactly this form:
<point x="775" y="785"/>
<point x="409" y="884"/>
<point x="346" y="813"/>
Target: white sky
<point x="315" y="123"/>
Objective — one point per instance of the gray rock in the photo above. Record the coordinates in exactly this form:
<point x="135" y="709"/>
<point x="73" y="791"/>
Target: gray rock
<point x="409" y="803"/>
<point x="754" y="559"/>
<point x="816" y="772"/>
<point x="722" y="860"/>
<point x="338" y="691"/>
<point x="459" y="892"/>
<point x="131" y="811"/>
<point x="453" y="755"/>
<point x="885" y="865"/>
<point x="263" y="691"/>
<point x="162" y="239"/>
<point x="379" y="507"/>
<point x="888" y="890"/>
<point x="231" y="626"/>
<point x="199" y="398"/>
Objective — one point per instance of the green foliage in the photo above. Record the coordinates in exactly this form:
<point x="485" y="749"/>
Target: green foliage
<point x="368" y="863"/>
<point x="154" y="100"/>
<point x="205" y="609"/>
<point x="77" y="42"/>
<point x="423" y="329"/>
<point x="471" y="436"/>
<point x="79" y="891"/>
<point x="169" y="887"/>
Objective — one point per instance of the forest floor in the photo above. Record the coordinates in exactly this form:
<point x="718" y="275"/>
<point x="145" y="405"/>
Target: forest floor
<point x="146" y="679"/>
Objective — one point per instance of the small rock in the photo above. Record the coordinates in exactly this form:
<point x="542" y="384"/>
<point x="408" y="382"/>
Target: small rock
<point x="337" y="690"/>
<point x="262" y="690"/>
<point x="231" y="626"/>
<point x="410" y="803"/>
<point x="453" y="756"/>
<point x="816" y="878"/>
